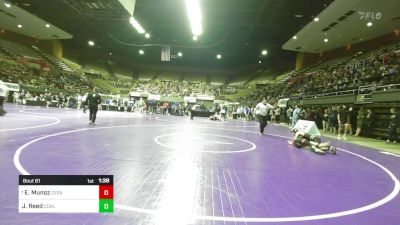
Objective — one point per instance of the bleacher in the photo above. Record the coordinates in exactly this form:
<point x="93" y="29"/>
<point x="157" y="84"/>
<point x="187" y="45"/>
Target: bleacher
<point x="33" y="54"/>
<point x="53" y="60"/>
<point x="18" y="50"/>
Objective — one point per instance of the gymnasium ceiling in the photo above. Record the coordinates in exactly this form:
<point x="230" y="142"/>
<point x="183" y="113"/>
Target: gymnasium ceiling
<point x="346" y="22"/>
<point x="236" y="29"/>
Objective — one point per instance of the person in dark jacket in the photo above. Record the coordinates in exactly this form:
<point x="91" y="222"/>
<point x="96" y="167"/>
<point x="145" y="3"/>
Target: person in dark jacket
<point x="93" y="101"/>
<point x="360" y="120"/>
<point x="369" y="122"/>
<point x="333" y="121"/>
<point x="393" y="125"/>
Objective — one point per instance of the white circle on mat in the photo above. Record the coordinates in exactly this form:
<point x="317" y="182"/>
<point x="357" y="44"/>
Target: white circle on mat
<point x="252" y="146"/>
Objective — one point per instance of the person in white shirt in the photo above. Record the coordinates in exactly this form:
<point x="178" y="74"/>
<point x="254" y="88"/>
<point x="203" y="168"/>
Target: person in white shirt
<point x="223" y="113"/>
<point x="3" y="95"/>
<point x="262" y="109"/>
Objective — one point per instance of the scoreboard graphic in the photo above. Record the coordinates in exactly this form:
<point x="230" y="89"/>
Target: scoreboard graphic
<point x="66" y="194"/>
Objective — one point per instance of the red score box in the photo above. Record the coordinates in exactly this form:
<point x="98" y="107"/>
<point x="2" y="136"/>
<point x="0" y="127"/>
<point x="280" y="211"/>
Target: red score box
<point x="106" y="192"/>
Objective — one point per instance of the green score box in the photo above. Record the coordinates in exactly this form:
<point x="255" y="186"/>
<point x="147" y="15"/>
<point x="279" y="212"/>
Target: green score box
<point x="106" y="205"/>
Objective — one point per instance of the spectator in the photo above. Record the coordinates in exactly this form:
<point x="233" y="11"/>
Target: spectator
<point x="360" y="120"/>
<point x="369" y="122"/>
<point x="394" y="123"/>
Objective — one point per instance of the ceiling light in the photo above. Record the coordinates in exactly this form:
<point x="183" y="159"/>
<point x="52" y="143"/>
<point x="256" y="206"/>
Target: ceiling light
<point x="369" y="24"/>
<point x="219" y="56"/>
<point x="316" y="19"/>
<point x="195" y="38"/>
<point x="47" y="25"/>
<point x="8" y="5"/>
<point x="91" y="43"/>
<point x="194" y="13"/>
<point x="19" y="26"/>
<point x="147" y="35"/>
<point x="326" y="40"/>
<point x="180" y="54"/>
<point x="137" y="25"/>
<point x="141" y="52"/>
<point x="110" y="53"/>
<point x="295" y="37"/>
<point x="264" y="52"/>
<point x="259" y="61"/>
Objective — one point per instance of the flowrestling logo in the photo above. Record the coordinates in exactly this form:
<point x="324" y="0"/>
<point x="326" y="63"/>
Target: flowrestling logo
<point x="370" y="15"/>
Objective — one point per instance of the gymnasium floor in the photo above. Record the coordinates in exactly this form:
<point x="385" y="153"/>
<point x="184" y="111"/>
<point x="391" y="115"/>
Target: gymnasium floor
<point x="173" y="171"/>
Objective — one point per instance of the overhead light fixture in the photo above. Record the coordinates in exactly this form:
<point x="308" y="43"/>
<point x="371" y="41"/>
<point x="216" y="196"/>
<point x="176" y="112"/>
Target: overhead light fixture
<point x="137" y="25"/>
<point x="141" y="52"/>
<point x="194" y="13"/>
<point x="91" y="43"/>
<point x="195" y="38"/>
<point x="259" y="61"/>
<point x="219" y="56"/>
<point x="326" y="40"/>
<point x="264" y="52"/>
<point x="110" y="53"/>
<point x="47" y="25"/>
<point x="316" y="19"/>
<point x="147" y="35"/>
<point x="369" y="24"/>
<point x="19" y="26"/>
<point x="180" y="54"/>
<point x="8" y="5"/>
<point x="295" y="37"/>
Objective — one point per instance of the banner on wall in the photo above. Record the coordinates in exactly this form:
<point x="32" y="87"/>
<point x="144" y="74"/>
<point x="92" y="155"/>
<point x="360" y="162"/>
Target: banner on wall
<point x="189" y="99"/>
<point x="154" y="97"/>
<point x="135" y="94"/>
<point x="205" y="97"/>
<point x="283" y="102"/>
<point x="12" y="86"/>
<point x="221" y="102"/>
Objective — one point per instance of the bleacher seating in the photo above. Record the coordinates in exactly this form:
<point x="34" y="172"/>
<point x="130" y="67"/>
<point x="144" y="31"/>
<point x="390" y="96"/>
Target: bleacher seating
<point x="19" y="50"/>
<point x="53" y="60"/>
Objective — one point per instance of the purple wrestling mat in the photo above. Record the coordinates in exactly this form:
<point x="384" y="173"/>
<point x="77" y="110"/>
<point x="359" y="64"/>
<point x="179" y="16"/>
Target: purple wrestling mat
<point x="171" y="170"/>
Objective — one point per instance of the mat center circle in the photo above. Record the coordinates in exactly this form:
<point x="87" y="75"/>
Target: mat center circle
<point x="203" y="142"/>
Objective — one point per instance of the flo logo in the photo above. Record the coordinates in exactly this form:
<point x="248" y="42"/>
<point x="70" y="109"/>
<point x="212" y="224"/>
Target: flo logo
<point x="370" y="15"/>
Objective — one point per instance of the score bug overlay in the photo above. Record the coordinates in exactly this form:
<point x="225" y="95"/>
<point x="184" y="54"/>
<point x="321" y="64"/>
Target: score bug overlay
<point x="66" y="194"/>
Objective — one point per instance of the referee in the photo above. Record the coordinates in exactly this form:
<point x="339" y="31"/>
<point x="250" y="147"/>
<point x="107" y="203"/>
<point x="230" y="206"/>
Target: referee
<point x="262" y="109"/>
<point x="93" y="100"/>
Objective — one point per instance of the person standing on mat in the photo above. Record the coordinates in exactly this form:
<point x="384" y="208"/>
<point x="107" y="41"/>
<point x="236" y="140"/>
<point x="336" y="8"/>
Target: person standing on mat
<point x="262" y="109"/>
<point x="93" y="101"/>
<point x="3" y="96"/>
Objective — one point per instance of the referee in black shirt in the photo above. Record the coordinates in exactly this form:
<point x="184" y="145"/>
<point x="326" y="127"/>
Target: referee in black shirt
<point x="93" y="100"/>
